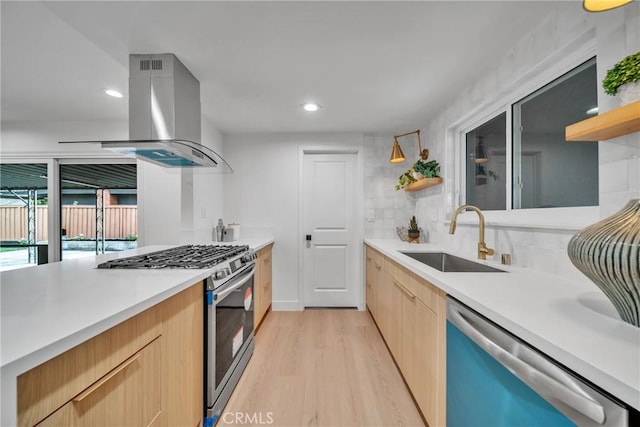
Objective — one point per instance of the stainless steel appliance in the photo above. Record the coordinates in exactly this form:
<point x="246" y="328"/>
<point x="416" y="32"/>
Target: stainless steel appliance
<point x="229" y="329"/>
<point x="228" y="299"/>
<point x="164" y="116"/>
<point x="493" y="378"/>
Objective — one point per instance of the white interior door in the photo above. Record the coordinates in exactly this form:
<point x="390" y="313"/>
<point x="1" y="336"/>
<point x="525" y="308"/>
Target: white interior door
<point x="330" y="259"/>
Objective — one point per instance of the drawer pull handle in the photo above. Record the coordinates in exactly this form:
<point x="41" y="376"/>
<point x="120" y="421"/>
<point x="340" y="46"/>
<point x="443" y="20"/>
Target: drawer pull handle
<point x="404" y="289"/>
<point x="266" y="260"/>
<point x="378" y="266"/>
<point x="369" y="258"/>
<point x="103" y="380"/>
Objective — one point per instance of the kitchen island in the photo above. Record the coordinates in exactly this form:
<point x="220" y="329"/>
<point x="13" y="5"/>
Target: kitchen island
<point x="50" y="309"/>
<point x="570" y="321"/>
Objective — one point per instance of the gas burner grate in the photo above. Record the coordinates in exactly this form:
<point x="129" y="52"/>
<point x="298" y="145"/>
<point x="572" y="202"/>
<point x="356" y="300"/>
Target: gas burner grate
<point x="187" y="256"/>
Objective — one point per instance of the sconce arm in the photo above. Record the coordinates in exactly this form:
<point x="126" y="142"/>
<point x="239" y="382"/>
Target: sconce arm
<point x="424" y="154"/>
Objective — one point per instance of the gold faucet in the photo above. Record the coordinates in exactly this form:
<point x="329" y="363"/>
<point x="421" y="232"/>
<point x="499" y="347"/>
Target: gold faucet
<point x="483" y="250"/>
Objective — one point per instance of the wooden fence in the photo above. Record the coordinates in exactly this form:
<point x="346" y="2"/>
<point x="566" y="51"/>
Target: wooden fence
<point x="120" y="221"/>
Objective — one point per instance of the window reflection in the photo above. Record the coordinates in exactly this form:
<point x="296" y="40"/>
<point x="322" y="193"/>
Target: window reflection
<point x="486" y="165"/>
<point x="547" y="170"/>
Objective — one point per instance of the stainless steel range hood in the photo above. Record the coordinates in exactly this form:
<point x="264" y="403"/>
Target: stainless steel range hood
<point x="164" y="116"/>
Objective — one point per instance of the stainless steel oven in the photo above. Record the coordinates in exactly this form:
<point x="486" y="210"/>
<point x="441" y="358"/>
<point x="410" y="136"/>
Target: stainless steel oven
<point x="229" y="331"/>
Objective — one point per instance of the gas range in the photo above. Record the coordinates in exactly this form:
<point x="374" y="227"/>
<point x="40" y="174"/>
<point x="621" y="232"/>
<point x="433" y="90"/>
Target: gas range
<point x="226" y="260"/>
<point x="228" y="318"/>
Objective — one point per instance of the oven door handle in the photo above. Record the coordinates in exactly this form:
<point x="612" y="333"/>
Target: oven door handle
<point x="245" y="278"/>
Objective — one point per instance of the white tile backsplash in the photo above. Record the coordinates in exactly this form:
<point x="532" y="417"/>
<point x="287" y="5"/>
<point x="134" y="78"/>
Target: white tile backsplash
<point x="613" y="176"/>
<point x="392" y="208"/>
<point x="611" y="203"/>
<point x="616" y="35"/>
<point x="633" y="174"/>
<point x="613" y="150"/>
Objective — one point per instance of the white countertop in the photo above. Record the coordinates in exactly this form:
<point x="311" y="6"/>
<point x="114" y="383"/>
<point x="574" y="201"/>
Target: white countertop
<point x="48" y="309"/>
<point x="571" y="321"/>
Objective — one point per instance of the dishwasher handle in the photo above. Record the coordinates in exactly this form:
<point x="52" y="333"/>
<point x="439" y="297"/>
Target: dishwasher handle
<point x="539" y="381"/>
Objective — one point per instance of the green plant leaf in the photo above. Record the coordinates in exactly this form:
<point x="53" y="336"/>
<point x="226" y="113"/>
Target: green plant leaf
<point x="625" y="71"/>
<point x="405" y="179"/>
<point x="430" y="169"/>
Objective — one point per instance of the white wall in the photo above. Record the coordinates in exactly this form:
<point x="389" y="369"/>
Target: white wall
<point x="208" y="188"/>
<point x="618" y="35"/>
<point x="39" y="139"/>
<point x="262" y="196"/>
<point x="615" y="34"/>
<point x="159" y="205"/>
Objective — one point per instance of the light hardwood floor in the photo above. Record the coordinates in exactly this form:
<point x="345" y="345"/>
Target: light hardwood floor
<point x="321" y="368"/>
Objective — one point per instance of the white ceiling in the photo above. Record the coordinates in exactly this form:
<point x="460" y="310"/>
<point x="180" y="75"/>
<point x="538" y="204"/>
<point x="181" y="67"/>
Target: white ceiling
<point x="376" y="67"/>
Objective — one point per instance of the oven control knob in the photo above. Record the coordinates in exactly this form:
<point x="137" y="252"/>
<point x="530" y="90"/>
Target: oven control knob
<point x="220" y="274"/>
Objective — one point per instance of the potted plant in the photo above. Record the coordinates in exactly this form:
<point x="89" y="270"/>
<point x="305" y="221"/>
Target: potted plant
<point x="624" y="79"/>
<point x="420" y="169"/>
<point x="413" y="234"/>
<point x="430" y="169"/>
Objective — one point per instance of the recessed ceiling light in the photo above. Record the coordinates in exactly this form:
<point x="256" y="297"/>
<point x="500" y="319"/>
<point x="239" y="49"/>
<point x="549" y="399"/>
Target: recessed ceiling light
<point x="593" y="110"/>
<point x="113" y="92"/>
<point x="310" y="107"/>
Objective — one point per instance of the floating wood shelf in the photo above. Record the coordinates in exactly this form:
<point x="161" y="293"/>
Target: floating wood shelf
<point x="612" y="124"/>
<point x="423" y="183"/>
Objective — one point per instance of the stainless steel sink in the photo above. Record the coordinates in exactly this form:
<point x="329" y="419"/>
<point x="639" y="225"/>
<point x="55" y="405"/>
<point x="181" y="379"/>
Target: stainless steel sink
<point x="448" y="263"/>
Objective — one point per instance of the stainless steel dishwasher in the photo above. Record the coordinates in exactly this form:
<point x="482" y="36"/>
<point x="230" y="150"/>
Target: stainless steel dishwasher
<point x="495" y="379"/>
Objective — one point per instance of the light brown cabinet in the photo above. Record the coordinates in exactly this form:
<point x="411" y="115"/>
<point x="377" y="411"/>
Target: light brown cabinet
<point x="411" y="315"/>
<point x="262" y="289"/>
<point x="127" y="396"/>
<point x="147" y="370"/>
<point x="373" y="266"/>
<point x="378" y="297"/>
<point x="423" y="364"/>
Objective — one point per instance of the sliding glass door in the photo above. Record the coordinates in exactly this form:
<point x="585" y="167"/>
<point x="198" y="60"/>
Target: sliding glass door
<point x="98" y="208"/>
<point x="23" y="215"/>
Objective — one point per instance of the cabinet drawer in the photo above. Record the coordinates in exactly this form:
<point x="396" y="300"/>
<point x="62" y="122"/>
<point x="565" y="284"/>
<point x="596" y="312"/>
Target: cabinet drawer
<point x="427" y="293"/>
<point x="413" y="284"/>
<point x="262" y="287"/>
<point x="47" y="387"/>
<point x="129" y="395"/>
<point x="403" y="278"/>
<point x="268" y="295"/>
<point x="265" y="256"/>
<point x="423" y="290"/>
<point x="374" y="260"/>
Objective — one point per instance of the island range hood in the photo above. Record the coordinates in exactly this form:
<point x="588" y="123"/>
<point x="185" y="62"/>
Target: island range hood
<point x="164" y="116"/>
